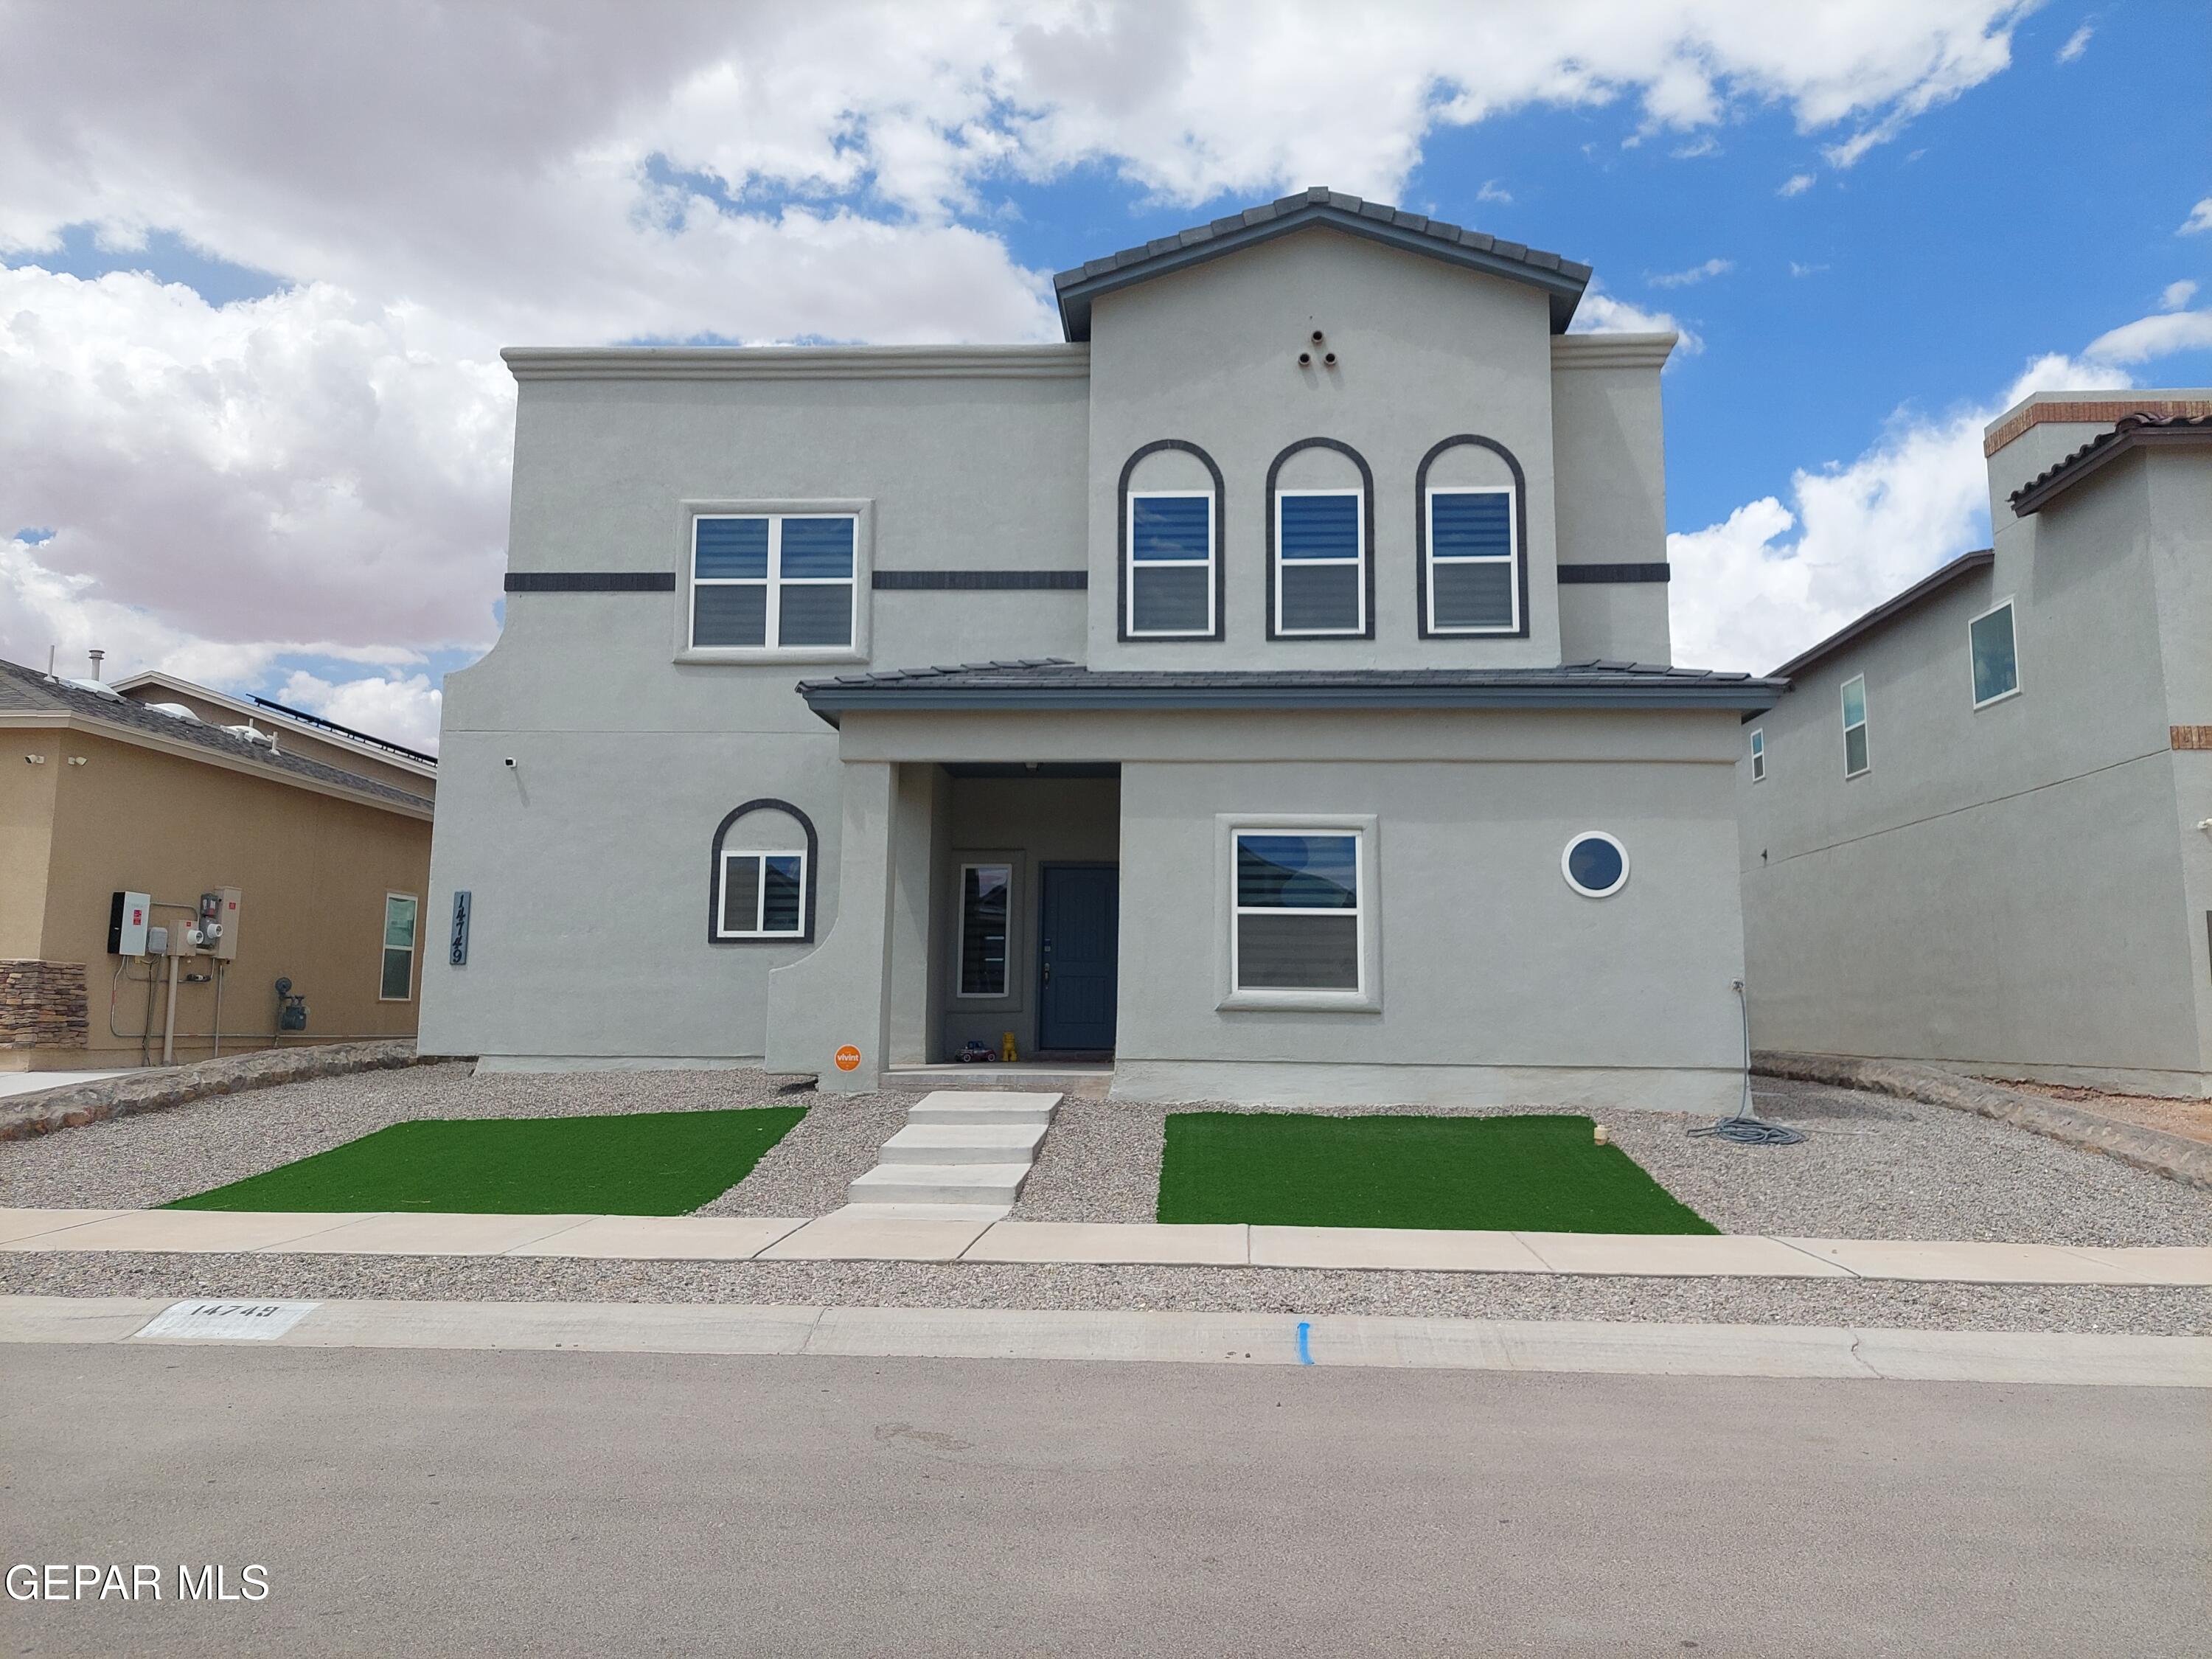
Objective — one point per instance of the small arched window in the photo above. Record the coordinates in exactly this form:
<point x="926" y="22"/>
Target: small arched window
<point x="761" y="876"/>
<point x="1471" y="540"/>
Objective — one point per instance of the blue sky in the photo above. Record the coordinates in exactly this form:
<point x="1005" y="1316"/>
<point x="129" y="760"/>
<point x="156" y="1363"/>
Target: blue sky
<point x="253" y="420"/>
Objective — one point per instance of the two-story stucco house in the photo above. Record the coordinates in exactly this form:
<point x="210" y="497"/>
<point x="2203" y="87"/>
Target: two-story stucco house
<point x="1978" y="830"/>
<point x="1265" y="690"/>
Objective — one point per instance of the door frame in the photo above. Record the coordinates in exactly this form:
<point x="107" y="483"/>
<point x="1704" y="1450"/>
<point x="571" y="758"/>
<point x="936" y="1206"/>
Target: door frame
<point x="1043" y="916"/>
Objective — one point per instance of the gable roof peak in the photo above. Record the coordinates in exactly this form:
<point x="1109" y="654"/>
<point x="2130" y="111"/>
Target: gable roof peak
<point x="1564" y="280"/>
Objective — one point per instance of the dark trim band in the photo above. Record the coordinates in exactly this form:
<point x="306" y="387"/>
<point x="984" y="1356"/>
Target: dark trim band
<point x="591" y="581"/>
<point x="1421" y="540"/>
<point x="1121" y="549"/>
<point x="763" y="804"/>
<point x="1659" y="571"/>
<point x="1366" y="553"/>
<point x="976" y="581"/>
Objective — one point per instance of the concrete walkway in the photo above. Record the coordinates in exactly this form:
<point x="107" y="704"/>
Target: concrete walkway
<point x="892" y="1233"/>
<point x="1233" y="1338"/>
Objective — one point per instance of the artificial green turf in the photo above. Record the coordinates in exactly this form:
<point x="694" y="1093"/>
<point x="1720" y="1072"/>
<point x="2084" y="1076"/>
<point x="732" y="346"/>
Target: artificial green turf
<point x="1539" y="1173"/>
<point x="635" y="1163"/>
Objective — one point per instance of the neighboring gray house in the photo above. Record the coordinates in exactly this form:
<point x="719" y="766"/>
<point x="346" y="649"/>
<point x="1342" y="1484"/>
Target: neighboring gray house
<point x="1978" y="830"/>
<point x="1322" y="745"/>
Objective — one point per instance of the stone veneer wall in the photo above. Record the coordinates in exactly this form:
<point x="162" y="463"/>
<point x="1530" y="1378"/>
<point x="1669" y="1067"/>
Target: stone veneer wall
<point x="43" y="1005"/>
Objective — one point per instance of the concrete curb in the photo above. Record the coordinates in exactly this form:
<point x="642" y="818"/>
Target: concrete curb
<point x="1176" y="1338"/>
<point x="2175" y="1156"/>
<point x="69" y="1105"/>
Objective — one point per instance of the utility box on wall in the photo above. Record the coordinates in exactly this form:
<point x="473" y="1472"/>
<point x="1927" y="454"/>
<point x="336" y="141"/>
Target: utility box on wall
<point x="127" y="916"/>
<point x="225" y="943"/>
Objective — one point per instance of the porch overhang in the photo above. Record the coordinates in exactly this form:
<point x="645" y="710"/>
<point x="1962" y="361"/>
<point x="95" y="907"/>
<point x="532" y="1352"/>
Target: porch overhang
<point x="1051" y="685"/>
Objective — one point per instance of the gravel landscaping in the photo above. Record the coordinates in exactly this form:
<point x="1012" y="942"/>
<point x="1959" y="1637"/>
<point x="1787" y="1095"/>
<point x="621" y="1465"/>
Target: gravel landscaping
<point x="1826" y="1302"/>
<point x="1872" y="1167"/>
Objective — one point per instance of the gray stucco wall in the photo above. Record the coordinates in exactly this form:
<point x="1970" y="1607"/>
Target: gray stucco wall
<point x="588" y="863"/>
<point x="1424" y="351"/>
<point x="2006" y="888"/>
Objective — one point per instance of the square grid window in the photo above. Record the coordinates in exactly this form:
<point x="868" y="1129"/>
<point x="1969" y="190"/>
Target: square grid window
<point x="1855" y="759"/>
<point x="1321" y="577"/>
<point x="397" y="983"/>
<point x="1996" y="660"/>
<point x="986" y="908"/>
<point x="1297" y="917"/>
<point x="774" y="582"/>
<point x="763" y="895"/>
<point x="1171" y="560"/>
<point x="1758" y="757"/>
<point x="1473" y="576"/>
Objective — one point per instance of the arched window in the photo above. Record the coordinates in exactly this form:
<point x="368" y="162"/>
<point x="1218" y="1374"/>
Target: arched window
<point x="1320" y="542"/>
<point x="1169" y="543"/>
<point x="760" y="887"/>
<point x="1471" y="540"/>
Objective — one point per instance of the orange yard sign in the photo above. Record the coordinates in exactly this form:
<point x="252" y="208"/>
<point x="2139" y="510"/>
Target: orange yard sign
<point x="848" y="1058"/>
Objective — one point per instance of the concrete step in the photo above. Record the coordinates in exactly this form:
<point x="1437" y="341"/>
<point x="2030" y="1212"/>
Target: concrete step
<point x="942" y="1106"/>
<point x="939" y="1184"/>
<point x="964" y="1143"/>
<point x="1091" y="1082"/>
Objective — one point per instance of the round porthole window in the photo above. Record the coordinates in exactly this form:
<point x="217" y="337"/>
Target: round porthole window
<point x="1595" y="865"/>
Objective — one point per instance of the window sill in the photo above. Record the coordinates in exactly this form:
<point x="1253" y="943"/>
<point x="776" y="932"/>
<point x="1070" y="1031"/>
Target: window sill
<point x="1991" y="702"/>
<point x="1307" y="1002"/>
<point x="742" y="655"/>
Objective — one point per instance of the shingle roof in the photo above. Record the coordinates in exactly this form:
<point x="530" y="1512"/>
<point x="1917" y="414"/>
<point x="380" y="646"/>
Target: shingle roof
<point x="1564" y="279"/>
<point x="1053" y="683"/>
<point x="27" y="691"/>
<point x="2129" y="432"/>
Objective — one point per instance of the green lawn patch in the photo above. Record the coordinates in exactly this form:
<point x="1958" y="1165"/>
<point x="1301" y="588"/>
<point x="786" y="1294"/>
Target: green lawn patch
<point x="1538" y="1174"/>
<point x="636" y="1163"/>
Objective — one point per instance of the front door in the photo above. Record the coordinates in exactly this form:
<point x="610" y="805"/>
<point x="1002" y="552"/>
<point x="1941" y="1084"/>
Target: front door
<point x="1080" y="913"/>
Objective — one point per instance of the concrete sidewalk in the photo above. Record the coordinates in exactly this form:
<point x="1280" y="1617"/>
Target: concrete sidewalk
<point x="1233" y="1338"/>
<point x="888" y="1233"/>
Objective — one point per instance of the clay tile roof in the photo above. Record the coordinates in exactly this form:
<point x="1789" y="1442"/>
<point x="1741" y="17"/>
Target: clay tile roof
<point x="2140" y="429"/>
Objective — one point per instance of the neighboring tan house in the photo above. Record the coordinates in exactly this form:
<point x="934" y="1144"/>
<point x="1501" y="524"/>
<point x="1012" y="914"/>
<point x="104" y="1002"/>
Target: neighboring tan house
<point x="321" y="836"/>
<point x="1317" y="739"/>
<point x="1978" y="832"/>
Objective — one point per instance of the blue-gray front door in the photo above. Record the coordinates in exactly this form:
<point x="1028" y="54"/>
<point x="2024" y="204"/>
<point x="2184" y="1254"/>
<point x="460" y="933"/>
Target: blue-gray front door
<point x="1081" y="910"/>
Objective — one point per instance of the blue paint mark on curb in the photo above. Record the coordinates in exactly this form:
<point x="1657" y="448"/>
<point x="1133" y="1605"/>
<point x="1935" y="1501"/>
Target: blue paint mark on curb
<point x="1306" y="1351"/>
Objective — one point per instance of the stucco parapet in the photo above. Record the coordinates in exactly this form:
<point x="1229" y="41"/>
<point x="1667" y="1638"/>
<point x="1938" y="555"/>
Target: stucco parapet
<point x="2174" y="1157"/>
<point x="1031" y="362"/>
<point x="1613" y="350"/>
<point x="69" y="1105"/>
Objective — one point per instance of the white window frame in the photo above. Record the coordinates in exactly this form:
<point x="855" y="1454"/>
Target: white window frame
<point x="1510" y="559"/>
<point x="1865" y="724"/>
<point x="1365" y="827"/>
<point x="1212" y="560"/>
<point x="1357" y="562"/>
<point x="1981" y="703"/>
<point x="760" y="894"/>
<point x="1567" y="869"/>
<point x="413" y="945"/>
<point x="1013" y="868"/>
<point x="860" y="511"/>
<point x="1759" y="754"/>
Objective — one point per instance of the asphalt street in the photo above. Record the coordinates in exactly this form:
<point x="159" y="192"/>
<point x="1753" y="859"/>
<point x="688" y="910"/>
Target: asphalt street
<point x="437" y="1501"/>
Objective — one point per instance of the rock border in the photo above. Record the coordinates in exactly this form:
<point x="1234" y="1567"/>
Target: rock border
<point x="2175" y="1156"/>
<point x="69" y="1105"/>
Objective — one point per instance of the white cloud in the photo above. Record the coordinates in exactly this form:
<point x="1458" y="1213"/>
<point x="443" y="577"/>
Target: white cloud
<point x="1796" y="185"/>
<point x="1796" y="269"/>
<point x="1600" y="313"/>
<point x="325" y="469"/>
<point x="402" y="707"/>
<point x="2152" y="336"/>
<point x="1695" y="275"/>
<point x="1705" y="144"/>
<point x="1747" y="594"/>
<point x="2076" y="43"/>
<point x="2177" y="295"/>
<point x="2199" y="219"/>
<point x="1492" y="190"/>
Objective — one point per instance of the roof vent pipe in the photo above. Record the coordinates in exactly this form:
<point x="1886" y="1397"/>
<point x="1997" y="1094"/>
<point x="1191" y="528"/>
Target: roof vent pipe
<point x="97" y="655"/>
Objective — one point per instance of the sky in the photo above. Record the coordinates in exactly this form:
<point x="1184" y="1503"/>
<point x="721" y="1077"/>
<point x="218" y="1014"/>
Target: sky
<point x="257" y="262"/>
